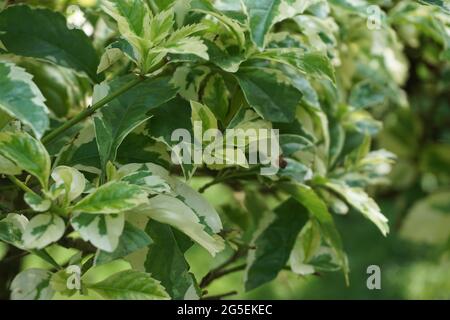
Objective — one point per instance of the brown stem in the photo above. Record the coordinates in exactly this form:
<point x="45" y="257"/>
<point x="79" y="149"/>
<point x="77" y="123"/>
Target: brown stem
<point x="222" y="270"/>
<point x="220" y="296"/>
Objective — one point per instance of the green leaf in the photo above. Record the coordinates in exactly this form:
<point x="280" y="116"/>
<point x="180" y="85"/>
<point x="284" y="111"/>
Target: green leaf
<point x="123" y="114"/>
<point x="27" y="153"/>
<point x="83" y="151"/>
<point x="132" y="239"/>
<point x="103" y="231"/>
<point x="166" y="262"/>
<point x="216" y="96"/>
<point x="295" y="170"/>
<point x="274" y="243"/>
<point x="43" y="34"/>
<point x="223" y="59"/>
<point x="140" y="148"/>
<point x="63" y="89"/>
<point x="8" y="167"/>
<point x="113" y="197"/>
<point x="42" y="230"/>
<point x="269" y="93"/>
<point x="359" y="200"/>
<point x="263" y="14"/>
<point x="20" y="98"/>
<point x="163" y="124"/>
<point x="292" y="143"/>
<point x="130" y="285"/>
<point x="32" y="284"/>
<point x="366" y="94"/>
<point x="62" y="279"/>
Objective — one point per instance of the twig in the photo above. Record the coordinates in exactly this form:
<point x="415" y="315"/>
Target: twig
<point x="221" y="270"/>
<point x="220" y="296"/>
<point x="21" y="185"/>
<point x="89" y="111"/>
<point x="225" y="177"/>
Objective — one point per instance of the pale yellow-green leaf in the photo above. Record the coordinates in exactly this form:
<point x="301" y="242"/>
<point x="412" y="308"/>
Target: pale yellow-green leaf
<point x="172" y="211"/>
<point x="360" y="200"/>
<point x="71" y="179"/>
<point x="203" y="115"/>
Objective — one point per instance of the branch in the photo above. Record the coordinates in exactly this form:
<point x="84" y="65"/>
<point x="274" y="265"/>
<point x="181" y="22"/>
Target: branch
<point x="21" y="185"/>
<point x="89" y="111"/>
<point x="221" y="270"/>
<point x="220" y="296"/>
<point x="225" y="177"/>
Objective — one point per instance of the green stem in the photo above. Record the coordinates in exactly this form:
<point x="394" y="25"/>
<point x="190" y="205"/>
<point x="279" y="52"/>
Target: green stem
<point x="21" y="185"/>
<point x="89" y="111"/>
<point x="223" y="178"/>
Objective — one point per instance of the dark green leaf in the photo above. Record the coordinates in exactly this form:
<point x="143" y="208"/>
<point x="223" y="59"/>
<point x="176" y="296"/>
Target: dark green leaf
<point x="274" y="244"/>
<point x="119" y="117"/>
<point x="43" y="34"/>
<point x="274" y="98"/>
<point x="166" y="261"/>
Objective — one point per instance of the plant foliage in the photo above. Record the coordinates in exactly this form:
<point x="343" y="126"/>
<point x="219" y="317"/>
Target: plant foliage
<point x="100" y="179"/>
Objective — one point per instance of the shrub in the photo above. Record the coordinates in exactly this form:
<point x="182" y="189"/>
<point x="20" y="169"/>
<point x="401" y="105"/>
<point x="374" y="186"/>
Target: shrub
<point x="90" y="162"/>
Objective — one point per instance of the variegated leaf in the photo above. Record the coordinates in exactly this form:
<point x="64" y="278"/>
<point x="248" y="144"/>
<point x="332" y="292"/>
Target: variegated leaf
<point x="360" y="200"/>
<point x="12" y="228"/>
<point x="263" y="14"/>
<point x="32" y="284"/>
<point x="36" y="202"/>
<point x="203" y="115"/>
<point x="42" y="230"/>
<point x="71" y="180"/>
<point x="21" y="98"/>
<point x="113" y="197"/>
<point x="174" y="212"/>
<point x="131" y="240"/>
<point x="102" y="230"/>
<point x="123" y="114"/>
<point x="26" y="153"/>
